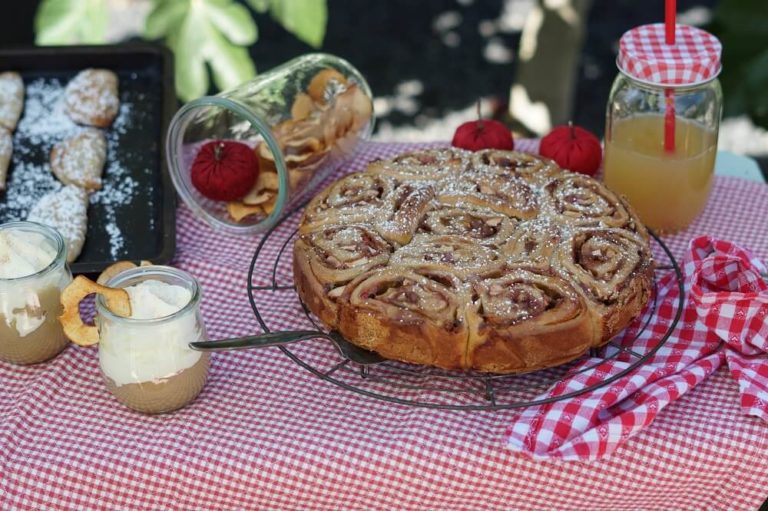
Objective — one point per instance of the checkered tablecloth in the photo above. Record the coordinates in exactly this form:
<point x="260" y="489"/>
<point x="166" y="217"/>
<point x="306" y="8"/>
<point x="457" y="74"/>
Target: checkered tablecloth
<point x="267" y="434"/>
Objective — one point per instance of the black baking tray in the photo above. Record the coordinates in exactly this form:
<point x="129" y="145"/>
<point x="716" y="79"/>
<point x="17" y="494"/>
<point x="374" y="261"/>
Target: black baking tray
<point x="141" y="225"/>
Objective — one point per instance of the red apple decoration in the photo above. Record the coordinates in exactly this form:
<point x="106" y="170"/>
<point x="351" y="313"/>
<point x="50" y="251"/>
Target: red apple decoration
<point x="224" y="170"/>
<point x="483" y="134"/>
<point x="573" y="148"/>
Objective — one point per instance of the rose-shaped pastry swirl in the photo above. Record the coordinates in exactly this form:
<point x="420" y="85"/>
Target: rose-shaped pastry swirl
<point x="426" y="164"/>
<point x="326" y="259"/>
<point x="533" y="318"/>
<point x="455" y="254"/>
<point x="514" y="164"/>
<point x="613" y="268"/>
<point x="412" y="314"/>
<point x="604" y="260"/>
<point x="533" y="243"/>
<point x="580" y="200"/>
<point x="339" y="253"/>
<point x="484" y="225"/>
<point x="407" y="205"/>
<point x="357" y="197"/>
<point x="511" y="196"/>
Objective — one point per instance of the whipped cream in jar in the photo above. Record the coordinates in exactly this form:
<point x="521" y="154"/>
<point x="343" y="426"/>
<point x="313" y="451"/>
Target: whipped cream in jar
<point x="145" y="359"/>
<point x="33" y="271"/>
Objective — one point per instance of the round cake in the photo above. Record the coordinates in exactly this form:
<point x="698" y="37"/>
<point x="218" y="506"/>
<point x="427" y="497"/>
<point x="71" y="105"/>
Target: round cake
<point x="496" y="261"/>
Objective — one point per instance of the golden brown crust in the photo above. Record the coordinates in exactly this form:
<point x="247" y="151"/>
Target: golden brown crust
<point x="311" y="291"/>
<point x="524" y="320"/>
<point x="613" y="269"/>
<point x="493" y="261"/>
<point x="91" y="98"/>
<point x="79" y="160"/>
<point x="408" y="315"/>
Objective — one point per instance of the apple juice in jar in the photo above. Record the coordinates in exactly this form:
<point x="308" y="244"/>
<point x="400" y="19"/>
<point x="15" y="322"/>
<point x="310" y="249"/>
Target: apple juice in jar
<point x="662" y="123"/>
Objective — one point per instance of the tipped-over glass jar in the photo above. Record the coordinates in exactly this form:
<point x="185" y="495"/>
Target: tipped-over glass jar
<point x="290" y="126"/>
<point x="145" y="359"/>
<point x="662" y="123"/>
<point x="33" y="271"/>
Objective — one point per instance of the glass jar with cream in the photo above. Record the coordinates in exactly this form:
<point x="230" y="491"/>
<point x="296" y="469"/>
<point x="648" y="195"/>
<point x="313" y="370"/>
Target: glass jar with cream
<point x="33" y="271"/>
<point x="145" y="359"/>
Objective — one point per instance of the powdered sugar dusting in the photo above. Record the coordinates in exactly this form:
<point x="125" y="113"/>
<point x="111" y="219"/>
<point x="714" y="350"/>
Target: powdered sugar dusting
<point x="64" y="209"/>
<point x="44" y="124"/>
<point x="80" y="160"/>
<point x="91" y="97"/>
<point x="116" y="240"/>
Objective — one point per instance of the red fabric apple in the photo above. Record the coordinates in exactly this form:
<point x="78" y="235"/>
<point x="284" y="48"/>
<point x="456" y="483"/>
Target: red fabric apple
<point x="483" y="134"/>
<point x="224" y="170"/>
<point x="573" y="148"/>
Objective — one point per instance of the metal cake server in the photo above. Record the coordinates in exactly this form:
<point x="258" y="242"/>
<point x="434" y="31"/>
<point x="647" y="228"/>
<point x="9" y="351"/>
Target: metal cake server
<point x="346" y="349"/>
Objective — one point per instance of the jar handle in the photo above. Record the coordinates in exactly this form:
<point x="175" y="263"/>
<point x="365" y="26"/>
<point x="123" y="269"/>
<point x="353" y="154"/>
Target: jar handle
<point x="78" y="332"/>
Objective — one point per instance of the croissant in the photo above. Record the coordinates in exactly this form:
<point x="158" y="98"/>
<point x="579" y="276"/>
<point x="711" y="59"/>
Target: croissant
<point x="495" y="261"/>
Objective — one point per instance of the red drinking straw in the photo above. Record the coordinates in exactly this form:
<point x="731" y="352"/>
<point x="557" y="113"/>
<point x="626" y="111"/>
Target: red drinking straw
<point x="670" y="8"/>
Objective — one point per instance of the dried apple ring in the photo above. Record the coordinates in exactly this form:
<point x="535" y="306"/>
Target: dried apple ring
<point x="303" y="106"/>
<point x="116" y="269"/>
<point x="320" y="81"/>
<point x="78" y="332"/>
<point x="238" y="211"/>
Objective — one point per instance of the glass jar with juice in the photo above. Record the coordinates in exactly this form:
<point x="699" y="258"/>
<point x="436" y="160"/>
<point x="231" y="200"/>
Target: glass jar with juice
<point x="662" y="123"/>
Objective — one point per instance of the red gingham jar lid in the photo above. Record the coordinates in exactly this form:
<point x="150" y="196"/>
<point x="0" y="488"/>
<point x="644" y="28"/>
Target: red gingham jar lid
<point x="693" y="59"/>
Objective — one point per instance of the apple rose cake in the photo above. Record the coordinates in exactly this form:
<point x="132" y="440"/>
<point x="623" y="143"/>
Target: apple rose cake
<point x="496" y="261"/>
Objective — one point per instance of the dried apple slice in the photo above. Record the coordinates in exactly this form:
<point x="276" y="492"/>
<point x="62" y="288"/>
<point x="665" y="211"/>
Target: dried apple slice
<point x="265" y="154"/>
<point x="269" y="206"/>
<point x="78" y="332"/>
<point x="116" y="269"/>
<point x="258" y="198"/>
<point x="266" y="186"/>
<point x="299" y="147"/>
<point x="321" y="81"/>
<point x="362" y="107"/>
<point x="269" y="180"/>
<point x="302" y="107"/>
<point x="239" y="211"/>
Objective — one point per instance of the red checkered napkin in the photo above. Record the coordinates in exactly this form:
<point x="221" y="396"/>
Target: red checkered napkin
<point x="723" y="321"/>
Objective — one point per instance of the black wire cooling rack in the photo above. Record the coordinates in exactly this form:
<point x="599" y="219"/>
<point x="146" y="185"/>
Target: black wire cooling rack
<point x="274" y="299"/>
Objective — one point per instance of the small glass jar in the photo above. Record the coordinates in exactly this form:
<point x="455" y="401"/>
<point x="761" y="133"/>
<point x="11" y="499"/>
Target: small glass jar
<point x="302" y="119"/>
<point x="30" y="305"/>
<point x="662" y="128"/>
<point x="147" y="364"/>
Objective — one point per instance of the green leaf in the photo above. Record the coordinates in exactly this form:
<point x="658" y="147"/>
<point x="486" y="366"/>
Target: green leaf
<point x="188" y="48"/>
<point x="306" y="19"/>
<point x="259" y="5"/>
<point x="71" y="22"/>
<point x="56" y="22"/>
<point x="165" y="18"/>
<point x="231" y="65"/>
<point x="94" y="29"/>
<point x="234" y="21"/>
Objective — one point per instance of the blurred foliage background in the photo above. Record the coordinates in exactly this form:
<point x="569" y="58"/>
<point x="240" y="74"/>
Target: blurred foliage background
<point x="427" y="61"/>
<point x="203" y="34"/>
<point x="742" y="26"/>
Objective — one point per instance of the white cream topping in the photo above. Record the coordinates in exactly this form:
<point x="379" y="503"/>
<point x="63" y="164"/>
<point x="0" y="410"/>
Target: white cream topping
<point x="154" y="299"/>
<point x="135" y="352"/>
<point x="24" y="253"/>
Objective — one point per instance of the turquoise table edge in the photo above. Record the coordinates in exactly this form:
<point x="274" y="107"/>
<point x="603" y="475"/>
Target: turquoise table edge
<point x="735" y="165"/>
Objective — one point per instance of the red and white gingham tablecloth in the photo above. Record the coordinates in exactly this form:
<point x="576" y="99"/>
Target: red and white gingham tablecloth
<point x="266" y="434"/>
